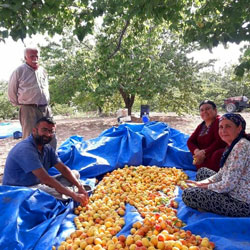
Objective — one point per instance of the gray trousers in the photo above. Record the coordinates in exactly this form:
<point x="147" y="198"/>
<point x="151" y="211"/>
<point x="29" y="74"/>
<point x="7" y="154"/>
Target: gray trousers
<point x="63" y="181"/>
<point x="29" y="115"/>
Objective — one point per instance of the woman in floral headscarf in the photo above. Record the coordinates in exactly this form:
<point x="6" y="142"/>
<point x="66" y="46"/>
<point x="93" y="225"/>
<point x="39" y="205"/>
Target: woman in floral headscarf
<point x="228" y="191"/>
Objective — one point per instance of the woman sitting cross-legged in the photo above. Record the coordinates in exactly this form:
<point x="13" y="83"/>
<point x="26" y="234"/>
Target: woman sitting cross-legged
<point x="228" y="191"/>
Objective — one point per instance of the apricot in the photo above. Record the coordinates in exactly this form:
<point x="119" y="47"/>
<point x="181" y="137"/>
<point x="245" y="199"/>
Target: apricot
<point x="99" y="222"/>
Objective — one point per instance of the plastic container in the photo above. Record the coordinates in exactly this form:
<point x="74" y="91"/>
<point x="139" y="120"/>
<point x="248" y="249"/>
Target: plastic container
<point x="17" y="135"/>
<point x="145" y="118"/>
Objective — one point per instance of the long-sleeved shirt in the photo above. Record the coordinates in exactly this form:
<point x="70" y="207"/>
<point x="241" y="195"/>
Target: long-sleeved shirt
<point x="28" y="86"/>
<point x="210" y="142"/>
<point x="234" y="177"/>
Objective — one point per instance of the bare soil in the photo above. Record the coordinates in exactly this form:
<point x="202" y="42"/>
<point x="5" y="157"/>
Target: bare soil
<point x="92" y="127"/>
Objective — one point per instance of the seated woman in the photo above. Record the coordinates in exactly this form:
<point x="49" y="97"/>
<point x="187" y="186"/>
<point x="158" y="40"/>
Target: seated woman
<point x="205" y="143"/>
<point x="228" y="191"/>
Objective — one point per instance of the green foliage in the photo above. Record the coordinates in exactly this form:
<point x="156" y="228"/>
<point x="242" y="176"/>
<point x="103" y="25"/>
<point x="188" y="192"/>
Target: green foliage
<point x="218" y="22"/>
<point x="7" y="111"/>
<point x="206" y="22"/>
<point x="66" y="63"/>
<point x="27" y="17"/>
<point x="151" y="62"/>
<point x="219" y="86"/>
<point x="213" y="22"/>
<point x="63" y="109"/>
<point x="244" y="66"/>
<point x="3" y="87"/>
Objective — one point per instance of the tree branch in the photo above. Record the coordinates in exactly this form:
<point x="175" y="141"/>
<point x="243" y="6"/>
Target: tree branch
<point x="120" y="39"/>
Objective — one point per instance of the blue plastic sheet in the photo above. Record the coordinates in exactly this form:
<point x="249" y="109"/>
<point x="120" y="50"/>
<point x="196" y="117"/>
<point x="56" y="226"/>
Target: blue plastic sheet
<point x="31" y="219"/>
<point x="154" y="143"/>
<point x="7" y="129"/>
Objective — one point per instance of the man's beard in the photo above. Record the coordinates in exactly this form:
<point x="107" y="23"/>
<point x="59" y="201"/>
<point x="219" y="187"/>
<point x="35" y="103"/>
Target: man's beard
<point x="41" y="140"/>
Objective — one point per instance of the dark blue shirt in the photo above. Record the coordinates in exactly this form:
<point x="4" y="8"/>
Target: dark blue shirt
<point x="23" y="158"/>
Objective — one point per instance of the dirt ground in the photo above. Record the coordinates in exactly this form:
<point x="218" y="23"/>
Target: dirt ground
<point x="91" y="127"/>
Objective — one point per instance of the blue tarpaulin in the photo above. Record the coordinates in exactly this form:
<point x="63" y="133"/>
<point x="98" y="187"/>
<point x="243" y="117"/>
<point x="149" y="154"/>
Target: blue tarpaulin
<point x="31" y="219"/>
<point x="7" y="129"/>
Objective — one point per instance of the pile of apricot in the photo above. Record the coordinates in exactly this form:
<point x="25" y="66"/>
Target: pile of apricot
<point x="151" y="190"/>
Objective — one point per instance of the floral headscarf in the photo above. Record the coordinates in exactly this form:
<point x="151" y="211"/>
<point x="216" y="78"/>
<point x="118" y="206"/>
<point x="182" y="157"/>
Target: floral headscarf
<point x="238" y="120"/>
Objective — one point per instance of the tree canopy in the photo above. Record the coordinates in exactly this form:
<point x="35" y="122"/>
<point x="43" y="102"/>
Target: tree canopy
<point x="140" y="50"/>
<point x="150" y="64"/>
<point x="206" y="22"/>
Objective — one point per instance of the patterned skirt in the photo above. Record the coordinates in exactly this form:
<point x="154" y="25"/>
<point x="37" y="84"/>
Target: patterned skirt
<point x="206" y="200"/>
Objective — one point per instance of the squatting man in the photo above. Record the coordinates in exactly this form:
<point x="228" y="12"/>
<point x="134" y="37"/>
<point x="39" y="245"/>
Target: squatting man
<point x="28" y="163"/>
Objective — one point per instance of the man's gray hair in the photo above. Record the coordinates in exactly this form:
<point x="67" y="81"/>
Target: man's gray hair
<point x="30" y="48"/>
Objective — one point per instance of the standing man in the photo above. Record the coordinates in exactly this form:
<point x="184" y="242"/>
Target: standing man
<point x="28" y="163"/>
<point x="29" y="89"/>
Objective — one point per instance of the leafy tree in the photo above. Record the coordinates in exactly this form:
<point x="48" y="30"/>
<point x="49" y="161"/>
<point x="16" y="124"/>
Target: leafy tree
<point x="218" y="86"/>
<point x="244" y="66"/>
<point x="28" y="17"/>
<point x="213" y="22"/>
<point x="66" y="62"/>
<point x="3" y="86"/>
<point x="213" y="87"/>
<point x="206" y="22"/>
<point x="7" y="110"/>
<point x="150" y="63"/>
<point x="236" y="86"/>
<point x="70" y="64"/>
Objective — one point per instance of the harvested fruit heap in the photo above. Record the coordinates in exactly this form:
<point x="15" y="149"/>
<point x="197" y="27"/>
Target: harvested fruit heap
<point x="151" y="190"/>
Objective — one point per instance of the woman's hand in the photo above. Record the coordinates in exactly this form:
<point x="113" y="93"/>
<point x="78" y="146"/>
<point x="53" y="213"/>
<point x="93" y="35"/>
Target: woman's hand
<point x="199" y="156"/>
<point x="191" y="183"/>
<point x="201" y="184"/>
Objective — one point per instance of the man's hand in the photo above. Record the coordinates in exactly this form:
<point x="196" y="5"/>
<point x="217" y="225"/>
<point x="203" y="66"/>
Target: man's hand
<point x="81" y="190"/>
<point x="81" y="198"/>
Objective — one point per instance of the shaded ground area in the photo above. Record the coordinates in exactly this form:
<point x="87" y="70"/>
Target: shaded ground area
<point x="92" y="127"/>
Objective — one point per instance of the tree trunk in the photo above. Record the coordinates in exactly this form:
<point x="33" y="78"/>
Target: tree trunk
<point x="128" y="100"/>
<point x="99" y="110"/>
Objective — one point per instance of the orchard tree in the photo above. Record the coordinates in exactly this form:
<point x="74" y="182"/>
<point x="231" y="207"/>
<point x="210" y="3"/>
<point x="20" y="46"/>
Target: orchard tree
<point x="7" y="111"/>
<point x="65" y="62"/>
<point x="243" y="69"/>
<point x="235" y="86"/>
<point x="71" y="66"/>
<point x="206" y="22"/>
<point x="218" y="86"/>
<point x="148" y="63"/>
<point x="28" y="17"/>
